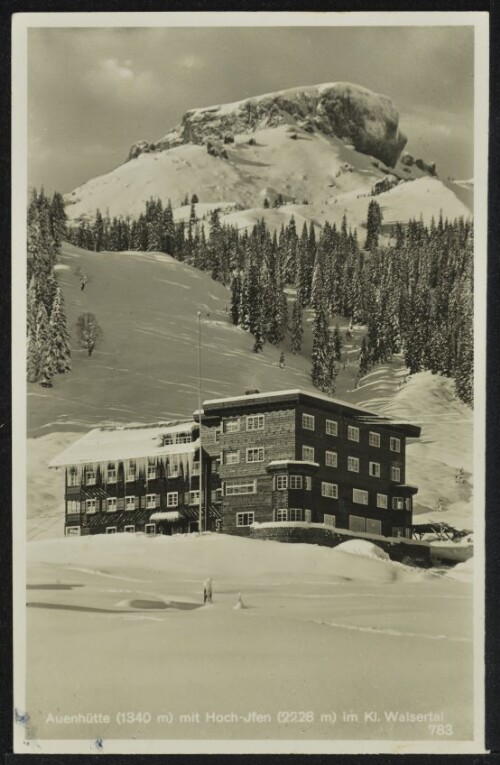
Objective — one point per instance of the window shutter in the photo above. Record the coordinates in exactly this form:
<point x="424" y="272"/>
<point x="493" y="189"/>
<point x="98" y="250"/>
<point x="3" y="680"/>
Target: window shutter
<point x="120" y="503"/>
<point x="137" y="502"/>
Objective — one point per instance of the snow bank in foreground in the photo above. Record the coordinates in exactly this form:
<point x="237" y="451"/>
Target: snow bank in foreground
<point x="364" y="548"/>
<point x="216" y="555"/>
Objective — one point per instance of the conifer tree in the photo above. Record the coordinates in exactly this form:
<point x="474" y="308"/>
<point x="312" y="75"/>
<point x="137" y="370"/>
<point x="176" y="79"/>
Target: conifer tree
<point x="373" y="225"/>
<point x="235" y="298"/>
<point x="59" y="335"/>
<point x="337" y="343"/>
<point x="297" y="329"/>
<point x="364" y="358"/>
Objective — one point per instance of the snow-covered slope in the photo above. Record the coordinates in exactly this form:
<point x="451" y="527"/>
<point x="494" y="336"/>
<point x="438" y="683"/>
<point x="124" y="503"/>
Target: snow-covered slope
<point x="305" y="144"/>
<point x="322" y="630"/>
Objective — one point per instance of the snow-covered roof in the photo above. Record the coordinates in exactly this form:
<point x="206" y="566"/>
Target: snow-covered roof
<point x="290" y="392"/>
<point x="299" y="463"/>
<point x="126" y="443"/>
<point x="166" y="515"/>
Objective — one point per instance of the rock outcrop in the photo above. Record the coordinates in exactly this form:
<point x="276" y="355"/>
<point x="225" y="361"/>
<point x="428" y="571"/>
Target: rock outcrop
<point x="365" y="120"/>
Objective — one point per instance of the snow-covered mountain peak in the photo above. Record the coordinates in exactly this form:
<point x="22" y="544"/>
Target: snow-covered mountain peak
<point x="366" y="120"/>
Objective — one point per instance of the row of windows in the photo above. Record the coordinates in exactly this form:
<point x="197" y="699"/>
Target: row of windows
<point x="131" y="474"/>
<point x="257" y="422"/>
<point x="132" y="502"/>
<point x="292" y="482"/>
<point x="356" y="522"/>
<point x="331" y="429"/>
<point x="331" y="460"/>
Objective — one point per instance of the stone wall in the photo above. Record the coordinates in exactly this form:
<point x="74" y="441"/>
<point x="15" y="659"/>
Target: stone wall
<point x="404" y="551"/>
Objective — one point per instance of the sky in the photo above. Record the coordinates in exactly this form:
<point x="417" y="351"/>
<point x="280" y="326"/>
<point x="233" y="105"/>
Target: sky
<point x="94" y="92"/>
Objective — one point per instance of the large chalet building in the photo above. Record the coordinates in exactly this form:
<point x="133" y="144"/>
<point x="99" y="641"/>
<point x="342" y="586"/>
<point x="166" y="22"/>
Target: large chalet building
<point x="284" y="456"/>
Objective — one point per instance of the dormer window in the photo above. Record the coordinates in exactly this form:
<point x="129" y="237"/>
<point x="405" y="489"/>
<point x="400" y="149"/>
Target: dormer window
<point x="131" y="471"/>
<point x="73" y="477"/>
<point x="151" y="469"/>
<point x="111" y="472"/>
<point x="90" y="476"/>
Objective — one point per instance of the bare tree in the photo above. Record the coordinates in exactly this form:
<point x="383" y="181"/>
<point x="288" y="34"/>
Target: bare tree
<point x="89" y="332"/>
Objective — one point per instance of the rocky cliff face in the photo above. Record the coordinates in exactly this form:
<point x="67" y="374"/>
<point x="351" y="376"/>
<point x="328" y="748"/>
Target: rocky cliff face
<point x="367" y="121"/>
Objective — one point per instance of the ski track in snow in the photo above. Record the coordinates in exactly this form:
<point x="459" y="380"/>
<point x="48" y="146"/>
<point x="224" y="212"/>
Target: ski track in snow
<point x="394" y="633"/>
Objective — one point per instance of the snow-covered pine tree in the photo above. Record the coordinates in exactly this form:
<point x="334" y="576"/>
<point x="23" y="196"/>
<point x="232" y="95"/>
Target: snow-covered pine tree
<point x="337" y="343"/>
<point x="235" y="298"/>
<point x="373" y="225"/>
<point x="323" y="371"/>
<point x="44" y="347"/>
<point x="59" y="335"/>
<point x="365" y="361"/>
<point x="297" y="329"/>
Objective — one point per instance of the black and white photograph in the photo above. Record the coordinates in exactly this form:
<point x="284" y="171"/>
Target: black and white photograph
<point x="249" y="278"/>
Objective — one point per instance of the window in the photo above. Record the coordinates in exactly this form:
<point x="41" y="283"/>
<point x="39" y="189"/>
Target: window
<point x="395" y="473"/>
<point x="255" y="422"/>
<point x="233" y="458"/>
<point x="90" y="476"/>
<point x="195" y="470"/>
<point x="398" y="503"/>
<point x="329" y="520"/>
<point x="244" y="519"/>
<point x="150" y="528"/>
<point x="73" y="477"/>
<point x="382" y="501"/>
<point x="374" y="439"/>
<point x="307" y="515"/>
<point x="218" y="495"/>
<point x="374" y="469"/>
<point x="356" y="523"/>
<point x="408" y="503"/>
<point x="232" y="426"/>
<point x="295" y="481"/>
<point x="395" y="444"/>
<point x="168" y="440"/>
<point x="183" y="438"/>
<point x="255" y="454"/>
<point x="194" y="497"/>
<point x="295" y="514"/>
<point x="281" y="482"/>
<point x="90" y="506"/>
<point x="309" y="483"/>
<point x="151" y="469"/>
<point x="131" y="470"/>
<point x="172" y="498"/>
<point x="331" y="459"/>
<point x="150" y="501"/>
<point x="308" y="421"/>
<point x="353" y="464"/>
<point x="72" y="507"/>
<point x="110" y="529"/>
<point x="233" y="489"/>
<point x="173" y="468"/>
<point x="352" y="433"/>
<point x="331" y="428"/>
<point x="111" y="504"/>
<point x="359" y="496"/>
<point x="111" y="473"/>
<point x="129" y="503"/>
<point x="129" y="529"/>
<point x="308" y="453"/>
<point x="73" y="531"/>
<point x="373" y="527"/>
<point x="281" y="515"/>
<point x="329" y="490"/>
<point x="217" y="434"/>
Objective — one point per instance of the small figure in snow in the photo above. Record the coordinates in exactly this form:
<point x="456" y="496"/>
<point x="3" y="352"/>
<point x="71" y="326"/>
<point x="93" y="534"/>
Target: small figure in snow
<point x="282" y="360"/>
<point x="207" y="591"/>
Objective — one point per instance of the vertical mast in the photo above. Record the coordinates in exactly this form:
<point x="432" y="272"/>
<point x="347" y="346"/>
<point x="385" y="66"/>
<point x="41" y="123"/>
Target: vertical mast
<point x="200" y="460"/>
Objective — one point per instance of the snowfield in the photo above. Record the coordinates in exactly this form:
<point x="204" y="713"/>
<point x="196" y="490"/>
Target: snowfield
<point x="119" y="621"/>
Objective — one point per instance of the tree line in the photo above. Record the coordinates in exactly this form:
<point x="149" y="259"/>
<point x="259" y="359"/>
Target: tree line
<point x="414" y="294"/>
<point x="48" y="349"/>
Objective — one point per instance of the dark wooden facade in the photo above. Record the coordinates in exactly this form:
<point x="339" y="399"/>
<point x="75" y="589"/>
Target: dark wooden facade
<point x="277" y="457"/>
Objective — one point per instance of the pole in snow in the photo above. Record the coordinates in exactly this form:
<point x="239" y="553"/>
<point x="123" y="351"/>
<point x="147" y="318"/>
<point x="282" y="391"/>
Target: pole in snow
<point x="200" y="460"/>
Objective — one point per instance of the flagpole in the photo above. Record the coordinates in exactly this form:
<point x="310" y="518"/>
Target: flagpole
<point x="200" y="460"/>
